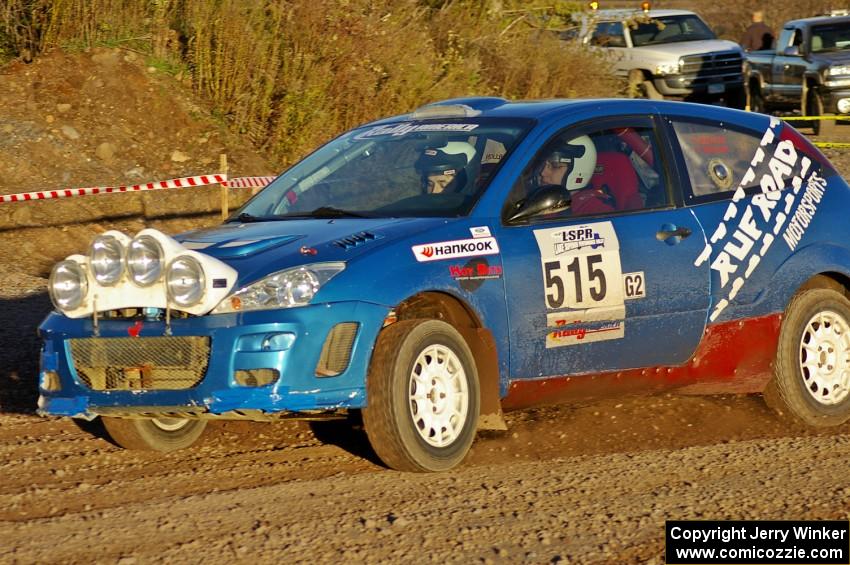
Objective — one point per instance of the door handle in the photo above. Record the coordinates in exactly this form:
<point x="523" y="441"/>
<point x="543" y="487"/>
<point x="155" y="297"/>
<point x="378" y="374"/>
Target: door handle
<point x="666" y="232"/>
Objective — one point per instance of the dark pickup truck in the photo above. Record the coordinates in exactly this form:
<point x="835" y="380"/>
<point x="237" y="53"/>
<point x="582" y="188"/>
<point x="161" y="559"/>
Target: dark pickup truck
<point x="809" y="71"/>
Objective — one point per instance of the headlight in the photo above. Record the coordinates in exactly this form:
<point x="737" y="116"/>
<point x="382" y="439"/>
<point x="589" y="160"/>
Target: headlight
<point x="106" y="258"/>
<point x="68" y="285"/>
<point x="284" y="289"/>
<point x="185" y="281"/>
<point x="839" y="70"/>
<point x="668" y="68"/>
<point x="144" y="260"/>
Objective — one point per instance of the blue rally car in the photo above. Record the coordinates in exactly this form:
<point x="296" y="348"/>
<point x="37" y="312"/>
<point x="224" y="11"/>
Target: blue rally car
<point x="435" y="269"/>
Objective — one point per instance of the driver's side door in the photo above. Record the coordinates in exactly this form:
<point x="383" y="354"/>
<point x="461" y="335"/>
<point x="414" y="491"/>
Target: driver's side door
<point x="617" y="289"/>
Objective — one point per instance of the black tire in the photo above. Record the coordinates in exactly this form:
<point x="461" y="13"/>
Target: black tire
<point x="649" y="91"/>
<point x="640" y="87"/>
<point x="757" y="103"/>
<point x="394" y="421"/>
<point x="812" y="358"/>
<point x="736" y="98"/>
<point x="157" y="434"/>
<point x="815" y="107"/>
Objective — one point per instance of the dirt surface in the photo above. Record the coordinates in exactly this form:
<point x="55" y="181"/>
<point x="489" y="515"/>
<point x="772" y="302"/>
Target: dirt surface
<point x="586" y="483"/>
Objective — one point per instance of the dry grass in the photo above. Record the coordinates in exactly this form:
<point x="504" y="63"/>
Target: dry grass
<point x="294" y="73"/>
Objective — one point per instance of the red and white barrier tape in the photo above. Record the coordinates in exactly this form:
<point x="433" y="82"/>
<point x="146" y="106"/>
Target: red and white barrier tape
<point x="185" y="182"/>
<point x="249" y="182"/>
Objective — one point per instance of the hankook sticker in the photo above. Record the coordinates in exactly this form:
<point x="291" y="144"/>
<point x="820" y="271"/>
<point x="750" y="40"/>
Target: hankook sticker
<point x="455" y="249"/>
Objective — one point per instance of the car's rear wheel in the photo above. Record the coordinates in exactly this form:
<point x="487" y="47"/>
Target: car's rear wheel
<point x="154" y="434"/>
<point x="422" y="396"/>
<point x="812" y="369"/>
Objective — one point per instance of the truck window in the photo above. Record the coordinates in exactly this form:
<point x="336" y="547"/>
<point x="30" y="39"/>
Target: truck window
<point x="670" y="29"/>
<point x="608" y="34"/>
<point x="832" y="37"/>
<point x="787" y="38"/>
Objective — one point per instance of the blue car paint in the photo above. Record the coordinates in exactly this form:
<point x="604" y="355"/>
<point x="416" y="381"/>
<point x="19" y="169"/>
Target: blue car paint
<point x="383" y="272"/>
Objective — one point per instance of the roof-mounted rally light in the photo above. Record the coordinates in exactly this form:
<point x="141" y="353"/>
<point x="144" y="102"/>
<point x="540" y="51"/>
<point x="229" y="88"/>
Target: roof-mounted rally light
<point x="157" y="272"/>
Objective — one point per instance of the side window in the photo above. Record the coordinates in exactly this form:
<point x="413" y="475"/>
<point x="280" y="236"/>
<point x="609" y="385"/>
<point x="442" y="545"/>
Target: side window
<point x="719" y="159"/>
<point x="608" y="34"/>
<point x="607" y="171"/>
<point x="716" y="157"/>
<point x="785" y="38"/>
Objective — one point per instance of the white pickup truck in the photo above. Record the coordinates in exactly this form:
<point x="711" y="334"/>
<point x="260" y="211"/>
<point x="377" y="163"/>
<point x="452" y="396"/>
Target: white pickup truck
<point x="668" y="54"/>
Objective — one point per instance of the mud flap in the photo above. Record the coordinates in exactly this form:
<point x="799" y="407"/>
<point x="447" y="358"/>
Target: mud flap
<point x="483" y="348"/>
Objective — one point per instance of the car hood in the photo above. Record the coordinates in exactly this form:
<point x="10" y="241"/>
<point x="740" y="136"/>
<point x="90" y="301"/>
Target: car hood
<point x="667" y="51"/>
<point x="258" y="249"/>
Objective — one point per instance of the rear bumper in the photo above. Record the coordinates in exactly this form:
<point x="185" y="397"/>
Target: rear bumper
<point x="238" y="342"/>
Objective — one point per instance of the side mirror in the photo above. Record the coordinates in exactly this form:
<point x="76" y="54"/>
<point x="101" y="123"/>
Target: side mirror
<point x="549" y="199"/>
<point x="793" y="51"/>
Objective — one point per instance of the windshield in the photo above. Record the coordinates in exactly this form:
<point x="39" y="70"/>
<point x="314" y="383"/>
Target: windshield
<point x="435" y="167"/>
<point x="832" y="37"/>
<point x="670" y="29"/>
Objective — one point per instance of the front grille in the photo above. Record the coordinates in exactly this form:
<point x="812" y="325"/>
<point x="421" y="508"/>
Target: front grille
<point x="336" y="352"/>
<point x="712" y="66"/>
<point x="146" y="363"/>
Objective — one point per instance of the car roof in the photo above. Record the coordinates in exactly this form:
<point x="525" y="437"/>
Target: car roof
<point x="488" y="106"/>
<point x="623" y="14"/>
<point x="818" y="20"/>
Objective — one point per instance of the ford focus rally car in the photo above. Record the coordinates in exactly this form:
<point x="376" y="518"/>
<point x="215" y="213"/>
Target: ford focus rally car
<point x="437" y="268"/>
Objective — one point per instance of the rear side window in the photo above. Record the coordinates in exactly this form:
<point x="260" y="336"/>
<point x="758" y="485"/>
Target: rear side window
<point x="716" y="157"/>
<point x="719" y="160"/>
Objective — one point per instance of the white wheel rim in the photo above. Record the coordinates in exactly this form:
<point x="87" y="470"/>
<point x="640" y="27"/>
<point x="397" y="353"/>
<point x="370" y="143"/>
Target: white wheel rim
<point x="438" y="395"/>
<point x="170" y="424"/>
<point x="825" y="357"/>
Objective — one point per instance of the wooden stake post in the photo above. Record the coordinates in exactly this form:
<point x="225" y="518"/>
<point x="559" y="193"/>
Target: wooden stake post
<point x="224" y="203"/>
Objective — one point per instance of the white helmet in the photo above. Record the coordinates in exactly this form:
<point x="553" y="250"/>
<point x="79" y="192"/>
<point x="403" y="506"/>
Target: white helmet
<point x="580" y="154"/>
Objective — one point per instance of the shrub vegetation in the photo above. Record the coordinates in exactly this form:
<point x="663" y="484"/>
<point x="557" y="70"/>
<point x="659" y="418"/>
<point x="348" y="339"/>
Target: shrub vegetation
<point x="292" y="74"/>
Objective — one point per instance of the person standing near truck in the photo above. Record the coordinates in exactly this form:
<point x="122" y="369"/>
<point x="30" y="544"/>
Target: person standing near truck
<point x="758" y="36"/>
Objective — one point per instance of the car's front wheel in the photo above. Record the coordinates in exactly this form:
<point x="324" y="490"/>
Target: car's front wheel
<point x="154" y="434"/>
<point x="422" y="396"/>
<point x="812" y="369"/>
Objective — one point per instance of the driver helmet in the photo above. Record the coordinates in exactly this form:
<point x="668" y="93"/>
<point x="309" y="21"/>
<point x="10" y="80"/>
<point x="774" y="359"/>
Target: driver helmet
<point x="451" y="159"/>
<point x="580" y="155"/>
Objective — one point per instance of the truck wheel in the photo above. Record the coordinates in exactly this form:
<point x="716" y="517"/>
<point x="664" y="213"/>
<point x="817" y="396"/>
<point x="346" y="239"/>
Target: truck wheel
<point x="815" y="107"/>
<point x="736" y="98"/>
<point x="422" y="396"/>
<point x="639" y="87"/>
<point x="812" y="369"/>
<point x="154" y="434"/>
<point x="756" y="100"/>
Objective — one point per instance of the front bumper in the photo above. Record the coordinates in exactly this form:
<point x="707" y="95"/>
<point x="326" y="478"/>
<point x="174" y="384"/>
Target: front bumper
<point x="834" y="92"/>
<point x="692" y="86"/>
<point x="237" y="342"/>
